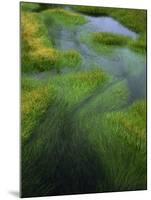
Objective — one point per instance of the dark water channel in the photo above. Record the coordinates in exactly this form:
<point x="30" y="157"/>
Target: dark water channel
<point x="121" y="62"/>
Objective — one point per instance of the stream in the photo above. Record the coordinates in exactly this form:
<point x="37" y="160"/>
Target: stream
<point x="60" y="134"/>
<point x="121" y="62"/>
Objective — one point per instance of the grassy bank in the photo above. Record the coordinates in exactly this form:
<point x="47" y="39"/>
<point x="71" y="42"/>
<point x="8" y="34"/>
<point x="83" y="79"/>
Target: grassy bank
<point x="29" y="7"/>
<point x="139" y="45"/>
<point x="36" y="98"/>
<point x="135" y="20"/>
<point x="120" y="140"/>
<point x="53" y="136"/>
<point x="38" y="52"/>
<point x="63" y="17"/>
<point x="105" y="43"/>
<point x="110" y="39"/>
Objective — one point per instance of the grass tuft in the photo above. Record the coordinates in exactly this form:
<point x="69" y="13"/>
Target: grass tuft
<point x="63" y="17"/>
<point x="38" y="53"/>
<point x="110" y="39"/>
<point x="35" y="100"/>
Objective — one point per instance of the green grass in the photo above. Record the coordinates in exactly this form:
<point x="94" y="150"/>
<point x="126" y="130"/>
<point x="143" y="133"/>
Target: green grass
<point x="105" y="43"/>
<point x="52" y="142"/>
<point x="119" y="137"/>
<point x="36" y="48"/>
<point x="133" y="19"/>
<point x="74" y="87"/>
<point x="63" y="17"/>
<point x="38" y="53"/>
<point x="94" y="11"/>
<point x="79" y="134"/>
<point x="127" y="131"/>
<point x="88" y="118"/>
<point x="110" y="39"/>
<point x="139" y="45"/>
<point x="35" y="100"/>
<point x="29" y="7"/>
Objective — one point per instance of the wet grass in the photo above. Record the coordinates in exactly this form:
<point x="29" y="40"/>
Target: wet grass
<point x="36" y="48"/>
<point x="105" y="43"/>
<point x="36" y="97"/>
<point x="120" y="139"/>
<point x="110" y="39"/>
<point x="139" y="45"/>
<point x="38" y="53"/>
<point x="135" y="20"/>
<point x="48" y="153"/>
<point x="64" y="17"/>
<point x="79" y="132"/>
<point x="74" y="87"/>
<point x="29" y="7"/>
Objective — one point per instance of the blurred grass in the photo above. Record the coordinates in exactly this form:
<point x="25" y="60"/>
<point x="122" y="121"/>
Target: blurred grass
<point x="63" y="17"/>
<point x="110" y="39"/>
<point x="79" y="133"/>
<point x="135" y="20"/>
<point x="105" y="43"/>
<point x="29" y="7"/>
<point x="132" y="18"/>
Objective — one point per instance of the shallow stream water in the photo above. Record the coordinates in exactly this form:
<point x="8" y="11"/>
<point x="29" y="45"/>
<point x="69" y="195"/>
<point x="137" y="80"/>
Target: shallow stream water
<point x="121" y="62"/>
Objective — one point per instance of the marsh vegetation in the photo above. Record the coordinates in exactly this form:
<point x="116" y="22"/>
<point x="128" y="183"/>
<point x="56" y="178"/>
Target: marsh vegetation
<point x="83" y="99"/>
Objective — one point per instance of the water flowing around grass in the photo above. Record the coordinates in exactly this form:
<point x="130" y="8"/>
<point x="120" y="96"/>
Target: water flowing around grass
<point x="83" y="101"/>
